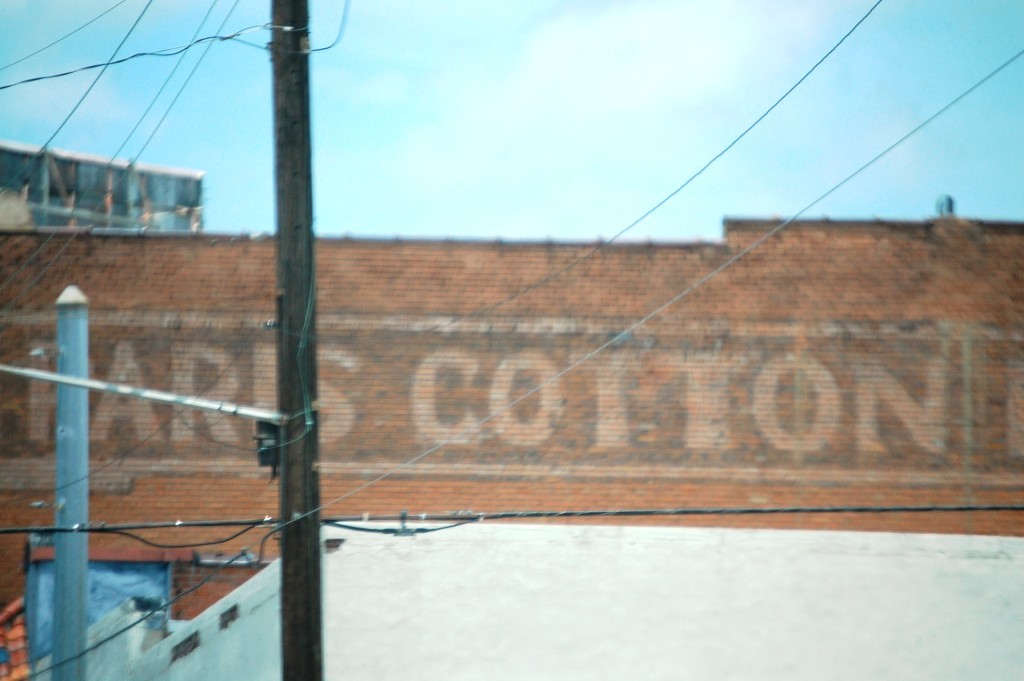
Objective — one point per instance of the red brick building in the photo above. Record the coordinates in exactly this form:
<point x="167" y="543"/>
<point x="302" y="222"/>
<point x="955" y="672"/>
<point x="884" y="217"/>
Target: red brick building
<point x="837" y="363"/>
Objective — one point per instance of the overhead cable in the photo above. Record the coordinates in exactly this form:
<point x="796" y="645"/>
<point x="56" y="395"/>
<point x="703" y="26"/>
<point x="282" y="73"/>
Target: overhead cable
<point x="732" y="260"/>
<point x="175" y="416"/>
<point x="102" y="527"/>
<point x="341" y="29"/>
<point x="166" y="82"/>
<point x="457" y="518"/>
<point x="343" y="25"/>
<point x="28" y="496"/>
<point x="132" y="528"/>
<point x="39" y="275"/>
<point x="244" y="554"/>
<point x="188" y="78"/>
<point x="467" y="517"/>
<point x="717" y="511"/>
<point x="47" y="144"/>
<point x="671" y="195"/>
<point x="188" y="545"/>
<point x="65" y="36"/>
<point x="337" y="39"/>
<point x="103" y="69"/>
<point x="166" y="52"/>
<point x="123" y="178"/>
<point x="404" y="530"/>
<point x="540" y="283"/>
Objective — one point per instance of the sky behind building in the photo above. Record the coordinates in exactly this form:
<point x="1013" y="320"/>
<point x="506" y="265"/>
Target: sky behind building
<point x="542" y="119"/>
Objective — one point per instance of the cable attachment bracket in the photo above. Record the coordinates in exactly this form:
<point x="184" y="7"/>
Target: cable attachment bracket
<point x="404" y="530"/>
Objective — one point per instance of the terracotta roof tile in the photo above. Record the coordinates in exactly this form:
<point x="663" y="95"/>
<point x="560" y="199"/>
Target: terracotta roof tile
<point x="14" y="664"/>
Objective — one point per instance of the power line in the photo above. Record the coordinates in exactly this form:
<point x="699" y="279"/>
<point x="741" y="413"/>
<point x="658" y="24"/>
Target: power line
<point x="673" y="300"/>
<point x="727" y="511"/>
<point x="468" y="517"/>
<point x="39" y="275"/>
<point x="671" y="195"/>
<point x="693" y="287"/>
<point x="462" y="517"/>
<point x="188" y="78"/>
<point x="167" y="82"/>
<point x="341" y="29"/>
<point x="123" y="178"/>
<point x="244" y="554"/>
<point x="337" y="39"/>
<point x="596" y="249"/>
<point x="181" y="89"/>
<point x="729" y="263"/>
<point x="558" y="273"/>
<point x="64" y="37"/>
<point x="343" y="25"/>
<point x="176" y="415"/>
<point x="47" y="144"/>
<point x="402" y="531"/>
<point x="101" y="527"/>
<point x="130" y="134"/>
<point x="117" y="459"/>
<point x="166" y="52"/>
<point x="540" y="283"/>
<point x="21" y="268"/>
<point x="98" y="76"/>
<point x="189" y="545"/>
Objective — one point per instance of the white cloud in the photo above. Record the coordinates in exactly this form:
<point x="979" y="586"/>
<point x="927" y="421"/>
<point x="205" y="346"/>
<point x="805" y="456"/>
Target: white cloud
<point x="603" y="101"/>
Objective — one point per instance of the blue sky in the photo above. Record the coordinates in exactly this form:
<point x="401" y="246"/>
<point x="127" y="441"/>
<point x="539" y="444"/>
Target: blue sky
<point x="539" y="119"/>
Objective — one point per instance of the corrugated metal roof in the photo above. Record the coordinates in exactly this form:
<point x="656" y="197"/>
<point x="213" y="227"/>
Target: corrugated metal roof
<point x="33" y="150"/>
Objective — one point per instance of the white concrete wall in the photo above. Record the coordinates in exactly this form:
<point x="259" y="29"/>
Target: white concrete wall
<point x="111" y="659"/>
<point x="246" y="649"/>
<point x="555" y="602"/>
<point x="515" y="602"/>
<point x="242" y="649"/>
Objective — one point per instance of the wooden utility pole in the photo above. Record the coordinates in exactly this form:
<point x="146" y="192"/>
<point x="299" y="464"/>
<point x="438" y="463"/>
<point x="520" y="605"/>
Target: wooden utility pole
<point x="301" y="592"/>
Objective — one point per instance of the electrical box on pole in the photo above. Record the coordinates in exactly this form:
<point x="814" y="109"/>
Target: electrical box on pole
<point x="268" y="445"/>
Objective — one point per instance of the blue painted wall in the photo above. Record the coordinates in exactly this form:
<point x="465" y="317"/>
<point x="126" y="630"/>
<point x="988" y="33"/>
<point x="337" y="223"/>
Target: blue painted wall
<point x="110" y="584"/>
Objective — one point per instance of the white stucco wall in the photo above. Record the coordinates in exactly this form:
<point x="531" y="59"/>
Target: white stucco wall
<point x="556" y="602"/>
<point x="111" y="659"/>
<point x="242" y="649"/>
<point x="513" y="602"/>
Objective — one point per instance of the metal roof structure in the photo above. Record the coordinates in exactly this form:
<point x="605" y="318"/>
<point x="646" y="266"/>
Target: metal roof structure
<point x="71" y="189"/>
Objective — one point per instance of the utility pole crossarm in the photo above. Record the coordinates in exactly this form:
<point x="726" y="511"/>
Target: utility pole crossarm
<point x="191" y="402"/>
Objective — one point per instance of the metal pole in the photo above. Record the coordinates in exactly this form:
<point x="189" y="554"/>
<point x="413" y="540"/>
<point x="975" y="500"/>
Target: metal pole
<point x="301" y="599"/>
<point x="71" y="562"/>
<point x="241" y="410"/>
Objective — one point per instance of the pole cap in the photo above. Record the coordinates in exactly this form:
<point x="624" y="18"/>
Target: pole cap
<point x="72" y="295"/>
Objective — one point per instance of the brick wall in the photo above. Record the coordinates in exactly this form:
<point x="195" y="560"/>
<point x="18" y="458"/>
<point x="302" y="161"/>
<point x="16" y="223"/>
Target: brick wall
<point x="206" y="585"/>
<point x="838" y="363"/>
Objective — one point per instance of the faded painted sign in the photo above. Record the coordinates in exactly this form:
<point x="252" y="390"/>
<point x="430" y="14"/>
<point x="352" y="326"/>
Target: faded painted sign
<point x="767" y="396"/>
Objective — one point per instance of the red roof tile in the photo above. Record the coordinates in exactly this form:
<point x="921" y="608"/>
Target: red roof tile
<point x="13" y="642"/>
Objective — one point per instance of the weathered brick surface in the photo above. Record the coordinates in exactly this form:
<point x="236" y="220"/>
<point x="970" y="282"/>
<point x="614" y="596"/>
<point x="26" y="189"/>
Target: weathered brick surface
<point x="197" y="588"/>
<point x="837" y="363"/>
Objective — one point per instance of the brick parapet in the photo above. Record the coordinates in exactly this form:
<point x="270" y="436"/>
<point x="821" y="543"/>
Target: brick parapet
<point x="839" y="362"/>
